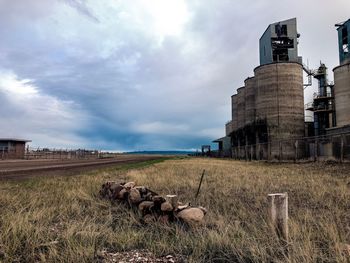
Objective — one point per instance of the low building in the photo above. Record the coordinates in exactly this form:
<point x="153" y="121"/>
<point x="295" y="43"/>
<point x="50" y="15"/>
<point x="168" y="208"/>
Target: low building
<point x="224" y="146"/>
<point x="11" y="148"/>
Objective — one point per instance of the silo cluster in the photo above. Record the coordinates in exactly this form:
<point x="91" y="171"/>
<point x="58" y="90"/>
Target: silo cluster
<point x="268" y="112"/>
<point x="270" y="108"/>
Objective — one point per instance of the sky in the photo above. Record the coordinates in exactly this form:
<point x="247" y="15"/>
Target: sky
<point x="142" y="74"/>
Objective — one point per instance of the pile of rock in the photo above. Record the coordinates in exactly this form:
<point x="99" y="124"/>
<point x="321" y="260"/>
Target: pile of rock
<point x="151" y="206"/>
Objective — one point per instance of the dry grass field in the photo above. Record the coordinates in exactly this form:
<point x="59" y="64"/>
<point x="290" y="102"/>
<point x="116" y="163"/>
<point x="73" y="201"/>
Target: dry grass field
<point x="62" y="219"/>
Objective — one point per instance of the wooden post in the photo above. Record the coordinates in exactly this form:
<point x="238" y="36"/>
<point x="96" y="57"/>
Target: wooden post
<point x="296" y="151"/>
<point x="278" y="214"/>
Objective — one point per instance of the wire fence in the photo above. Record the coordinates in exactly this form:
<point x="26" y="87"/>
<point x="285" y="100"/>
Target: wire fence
<point x="52" y="154"/>
<point x="334" y="147"/>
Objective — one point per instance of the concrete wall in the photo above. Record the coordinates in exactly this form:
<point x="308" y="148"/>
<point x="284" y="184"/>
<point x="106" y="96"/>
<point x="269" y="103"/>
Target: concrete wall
<point x="13" y="150"/>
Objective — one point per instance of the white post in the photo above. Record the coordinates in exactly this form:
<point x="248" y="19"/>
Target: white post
<point x="172" y="199"/>
<point x="278" y="214"/>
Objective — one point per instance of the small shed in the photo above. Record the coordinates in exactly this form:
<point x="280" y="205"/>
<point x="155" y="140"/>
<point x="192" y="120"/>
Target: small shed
<point x="11" y="148"/>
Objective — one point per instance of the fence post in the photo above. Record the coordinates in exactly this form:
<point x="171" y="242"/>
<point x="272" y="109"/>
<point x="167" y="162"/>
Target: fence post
<point x="251" y="152"/>
<point x="239" y="150"/>
<point x="341" y="148"/>
<point x="280" y="151"/>
<point x="278" y="214"/>
<point x="315" y="150"/>
<point x="296" y="151"/>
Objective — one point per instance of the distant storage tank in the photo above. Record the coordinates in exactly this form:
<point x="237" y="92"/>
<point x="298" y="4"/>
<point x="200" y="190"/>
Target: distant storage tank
<point x="240" y="107"/>
<point x="249" y="94"/>
<point x="280" y="102"/>
<point x="342" y="94"/>
<point x="234" y="112"/>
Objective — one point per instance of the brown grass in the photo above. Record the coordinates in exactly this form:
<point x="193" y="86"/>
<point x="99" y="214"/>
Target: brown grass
<point x="63" y="219"/>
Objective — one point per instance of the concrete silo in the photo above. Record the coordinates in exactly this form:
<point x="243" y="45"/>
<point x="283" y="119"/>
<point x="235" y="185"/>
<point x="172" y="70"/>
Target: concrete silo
<point x="240" y="107"/>
<point x="249" y="95"/>
<point x="280" y="105"/>
<point x="234" y="112"/>
<point x="342" y="76"/>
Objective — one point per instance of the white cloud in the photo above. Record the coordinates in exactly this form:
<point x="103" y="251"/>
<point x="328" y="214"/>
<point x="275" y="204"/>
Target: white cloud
<point x="30" y="113"/>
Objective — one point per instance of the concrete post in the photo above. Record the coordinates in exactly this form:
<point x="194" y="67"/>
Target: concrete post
<point x="251" y="152"/>
<point x="278" y="214"/>
<point x="315" y="150"/>
<point x="173" y="200"/>
<point x="280" y="151"/>
<point x="257" y="144"/>
<point x="239" y="150"/>
<point x="296" y="150"/>
<point x="341" y="148"/>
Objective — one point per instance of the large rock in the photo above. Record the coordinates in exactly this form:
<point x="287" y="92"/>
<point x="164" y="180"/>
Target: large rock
<point x="191" y="215"/>
<point x="158" y="199"/>
<point x="166" y="207"/>
<point x="182" y="207"/>
<point x="122" y="194"/>
<point x="205" y="211"/>
<point x="134" y="196"/>
<point x="129" y="185"/>
<point x="116" y="190"/>
<point x="142" y="189"/>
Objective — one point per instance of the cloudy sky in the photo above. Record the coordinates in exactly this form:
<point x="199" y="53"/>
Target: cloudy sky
<point x="141" y="74"/>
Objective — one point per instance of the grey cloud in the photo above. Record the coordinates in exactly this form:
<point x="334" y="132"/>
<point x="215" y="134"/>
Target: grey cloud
<point x="82" y="8"/>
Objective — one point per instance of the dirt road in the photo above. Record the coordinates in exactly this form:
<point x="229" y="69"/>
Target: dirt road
<point x="20" y="169"/>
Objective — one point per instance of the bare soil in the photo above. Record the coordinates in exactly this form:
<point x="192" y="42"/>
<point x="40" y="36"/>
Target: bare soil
<point x="21" y="169"/>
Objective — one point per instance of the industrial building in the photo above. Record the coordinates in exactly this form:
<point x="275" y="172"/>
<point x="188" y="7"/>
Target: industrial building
<point x="268" y="112"/>
<point x="11" y="148"/>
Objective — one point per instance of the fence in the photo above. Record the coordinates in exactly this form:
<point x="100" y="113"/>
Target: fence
<point x="9" y="153"/>
<point x="46" y="153"/>
<point x="327" y="147"/>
